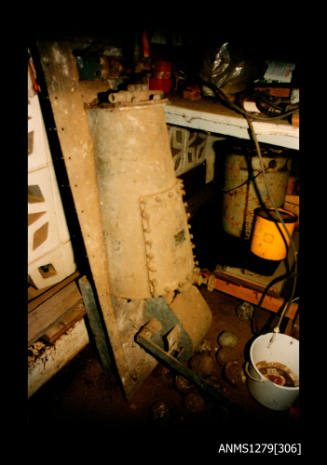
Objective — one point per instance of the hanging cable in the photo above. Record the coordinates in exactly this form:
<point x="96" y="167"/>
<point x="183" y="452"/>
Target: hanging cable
<point x="291" y="241"/>
<point x="250" y="178"/>
<point x="251" y="117"/>
<point x="224" y="99"/>
<point x="285" y="277"/>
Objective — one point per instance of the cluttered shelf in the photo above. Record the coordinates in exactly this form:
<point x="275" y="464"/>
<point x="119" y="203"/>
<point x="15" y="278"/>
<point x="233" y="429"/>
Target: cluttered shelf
<point x="212" y="116"/>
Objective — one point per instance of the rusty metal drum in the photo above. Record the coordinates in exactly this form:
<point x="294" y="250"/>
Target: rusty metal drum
<point x="144" y="220"/>
<point x="244" y="185"/>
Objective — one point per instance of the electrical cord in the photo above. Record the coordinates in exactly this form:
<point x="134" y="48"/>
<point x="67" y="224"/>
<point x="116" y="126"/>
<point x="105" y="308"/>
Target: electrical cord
<point x="250" y="178"/>
<point x="262" y="101"/>
<point x="224" y="99"/>
<point x="291" y="241"/>
<point x="271" y="111"/>
<point x="285" y="276"/>
<point x="250" y="117"/>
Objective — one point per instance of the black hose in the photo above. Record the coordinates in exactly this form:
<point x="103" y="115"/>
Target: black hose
<point x="224" y="99"/>
<point x="250" y="117"/>
<point x="285" y="276"/>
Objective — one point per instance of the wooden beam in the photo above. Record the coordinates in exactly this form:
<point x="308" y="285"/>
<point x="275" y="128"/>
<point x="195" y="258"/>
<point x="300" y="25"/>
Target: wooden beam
<point x="50" y="311"/>
<point x="62" y="81"/>
<point x="252" y="296"/>
<point x="49" y="292"/>
<point x="65" y="322"/>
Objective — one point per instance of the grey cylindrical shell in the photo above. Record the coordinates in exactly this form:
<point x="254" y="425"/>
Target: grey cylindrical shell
<point x="240" y="197"/>
<point x="144" y="220"/>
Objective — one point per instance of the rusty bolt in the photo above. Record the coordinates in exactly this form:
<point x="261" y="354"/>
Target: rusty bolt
<point x="198" y="278"/>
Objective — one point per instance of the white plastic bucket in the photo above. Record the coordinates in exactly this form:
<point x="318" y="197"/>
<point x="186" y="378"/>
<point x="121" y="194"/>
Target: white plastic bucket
<point x="283" y="349"/>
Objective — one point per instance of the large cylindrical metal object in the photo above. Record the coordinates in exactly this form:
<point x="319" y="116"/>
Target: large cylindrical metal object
<point x="144" y="219"/>
<point x="244" y="185"/>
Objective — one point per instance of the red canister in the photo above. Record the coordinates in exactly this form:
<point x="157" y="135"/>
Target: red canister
<point x="161" y="77"/>
<point x="162" y="70"/>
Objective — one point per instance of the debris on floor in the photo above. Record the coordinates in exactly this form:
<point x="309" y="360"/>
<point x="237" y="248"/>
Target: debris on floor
<point x="82" y="392"/>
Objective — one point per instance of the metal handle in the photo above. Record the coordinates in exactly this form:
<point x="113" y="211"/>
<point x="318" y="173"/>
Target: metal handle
<point x="250" y="376"/>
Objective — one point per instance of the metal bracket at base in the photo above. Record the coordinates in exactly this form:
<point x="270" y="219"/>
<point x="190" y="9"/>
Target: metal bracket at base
<point x="144" y="338"/>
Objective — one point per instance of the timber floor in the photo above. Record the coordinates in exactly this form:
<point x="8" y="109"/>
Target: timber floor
<point x="82" y="395"/>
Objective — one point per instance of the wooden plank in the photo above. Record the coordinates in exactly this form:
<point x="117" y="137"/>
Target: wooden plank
<point x="49" y="292"/>
<point x="33" y="293"/>
<point x="62" y="81"/>
<point x="66" y="321"/>
<point x="245" y="280"/>
<point x="252" y="296"/>
<point x="41" y="318"/>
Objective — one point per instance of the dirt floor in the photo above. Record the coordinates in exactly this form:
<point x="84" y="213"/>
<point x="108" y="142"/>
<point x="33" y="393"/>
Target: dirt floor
<point x="82" y="394"/>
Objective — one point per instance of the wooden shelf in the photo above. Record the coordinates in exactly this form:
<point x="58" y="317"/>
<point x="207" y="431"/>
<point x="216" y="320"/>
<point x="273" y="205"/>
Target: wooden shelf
<point x="271" y="303"/>
<point x="214" y="117"/>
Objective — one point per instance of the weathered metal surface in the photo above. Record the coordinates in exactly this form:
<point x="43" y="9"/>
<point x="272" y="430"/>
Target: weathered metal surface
<point x="168" y="247"/>
<point x="134" y="167"/>
<point x="130" y="318"/>
<point x="179" y="341"/>
<point x="135" y="93"/>
<point x="113" y="156"/>
<point x="181" y="327"/>
<point x="194" y="314"/>
<point x="243" y="183"/>
<point x="147" y="236"/>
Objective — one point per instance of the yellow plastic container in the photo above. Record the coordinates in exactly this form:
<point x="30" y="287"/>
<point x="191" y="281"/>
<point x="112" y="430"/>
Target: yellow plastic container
<point x="267" y="241"/>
